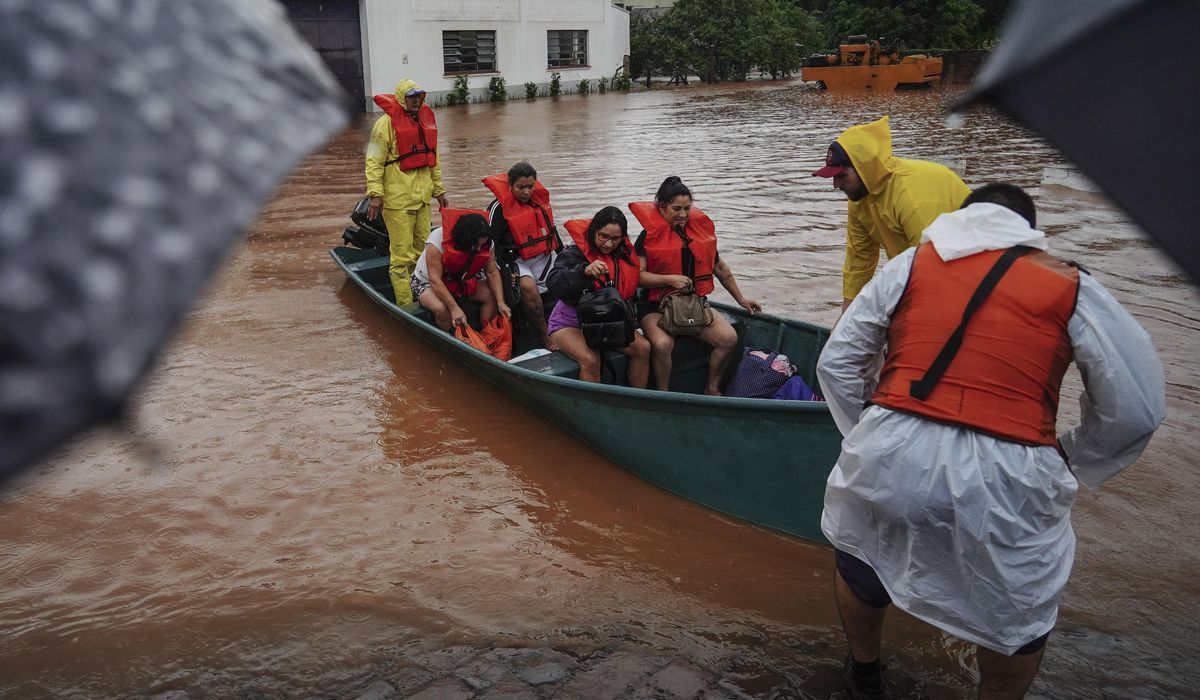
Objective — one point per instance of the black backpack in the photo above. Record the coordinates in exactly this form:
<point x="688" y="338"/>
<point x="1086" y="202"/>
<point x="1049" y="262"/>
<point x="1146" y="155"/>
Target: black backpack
<point x="607" y="320"/>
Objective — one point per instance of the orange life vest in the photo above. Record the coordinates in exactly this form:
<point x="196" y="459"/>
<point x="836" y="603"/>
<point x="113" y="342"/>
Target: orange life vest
<point x="531" y="225"/>
<point x="459" y="267"/>
<point x="1005" y="379"/>
<point x="623" y="271"/>
<point x="416" y="139"/>
<point x="664" y="247"/>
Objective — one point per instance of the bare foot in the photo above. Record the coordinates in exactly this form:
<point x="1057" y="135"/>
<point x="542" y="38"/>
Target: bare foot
<point x="549" y="344"/>
<point x="712" y="392"/>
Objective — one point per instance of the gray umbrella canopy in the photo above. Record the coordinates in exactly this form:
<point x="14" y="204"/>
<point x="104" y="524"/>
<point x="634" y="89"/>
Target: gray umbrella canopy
<point x="1112" y="84"/>
<point x="137" y="139"/>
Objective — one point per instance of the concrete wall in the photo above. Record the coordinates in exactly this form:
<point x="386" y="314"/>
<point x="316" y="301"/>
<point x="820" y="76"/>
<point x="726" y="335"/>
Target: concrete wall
<point x="403" y="38"/>
<point x="961" y="66"/>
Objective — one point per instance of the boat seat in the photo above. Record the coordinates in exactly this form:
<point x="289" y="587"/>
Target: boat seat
<point x="559" y="365"/>
<point x="373" y="268"/>
<point x="689" y="362"/>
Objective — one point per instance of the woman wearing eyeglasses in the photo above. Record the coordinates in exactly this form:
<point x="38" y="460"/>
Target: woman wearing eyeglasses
<point x="602" y="255"/>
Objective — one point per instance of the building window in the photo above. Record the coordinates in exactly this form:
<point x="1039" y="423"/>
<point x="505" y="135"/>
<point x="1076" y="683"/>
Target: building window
<point x="566" y="48"/>
<point x="466" y="52"/>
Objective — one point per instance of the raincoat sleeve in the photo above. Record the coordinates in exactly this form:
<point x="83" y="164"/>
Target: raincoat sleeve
<point x="848" y="368"/>
<point x="862" y="254"/>
<point x="1124" y="396"/>
<point x="380" y="145"/>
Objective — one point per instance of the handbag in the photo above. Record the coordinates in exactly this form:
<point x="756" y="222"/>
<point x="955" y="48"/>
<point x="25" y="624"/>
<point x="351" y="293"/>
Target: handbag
<point x="759" y="375"/>
<point x="684" y="313"/>
<point x="607" y="320"/>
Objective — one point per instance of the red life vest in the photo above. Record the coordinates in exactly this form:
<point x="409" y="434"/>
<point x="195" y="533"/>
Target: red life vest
<point x="416" y="139"/>
<point x="532" y="225"/>
<point x="460" y="267"/>
<point x="664" y="247"/>
<point x="1005" y="379"/>
<point x="624" y="271"/>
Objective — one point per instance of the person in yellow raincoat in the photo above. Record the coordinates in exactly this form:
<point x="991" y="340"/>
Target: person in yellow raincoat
<point x="892" y="200"/>
<point x="403" y="172"/>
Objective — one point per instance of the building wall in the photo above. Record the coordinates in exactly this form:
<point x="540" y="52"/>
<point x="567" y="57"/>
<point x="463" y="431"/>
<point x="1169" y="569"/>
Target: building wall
<point x="665" y="4"/>
<point x="403" y="39"/>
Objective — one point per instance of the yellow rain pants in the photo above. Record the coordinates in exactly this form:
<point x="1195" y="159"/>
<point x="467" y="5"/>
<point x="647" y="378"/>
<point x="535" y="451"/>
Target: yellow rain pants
<point x="407" y="231"/>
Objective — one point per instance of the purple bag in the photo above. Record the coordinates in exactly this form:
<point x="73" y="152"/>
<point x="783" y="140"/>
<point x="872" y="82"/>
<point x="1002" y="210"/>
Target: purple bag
<point x="755" y="378"/>
<point x="795" y="389"/>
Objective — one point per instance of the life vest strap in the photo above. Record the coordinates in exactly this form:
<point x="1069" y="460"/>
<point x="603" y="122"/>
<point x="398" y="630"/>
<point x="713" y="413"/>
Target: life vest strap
<point x="410" y="154"/>
<point x="533" y="241"/>
<point x="558" y="244"/>
<point x="921" y="388"/>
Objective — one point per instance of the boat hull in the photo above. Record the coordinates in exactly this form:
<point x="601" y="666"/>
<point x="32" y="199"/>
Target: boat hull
<point x="759" y="460"/>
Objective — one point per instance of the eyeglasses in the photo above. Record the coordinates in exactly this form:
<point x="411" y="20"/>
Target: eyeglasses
<point x="608" y="239"/>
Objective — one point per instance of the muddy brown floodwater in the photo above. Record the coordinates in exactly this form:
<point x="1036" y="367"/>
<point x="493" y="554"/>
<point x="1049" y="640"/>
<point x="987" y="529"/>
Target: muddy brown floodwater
<point x="309" y="502"/>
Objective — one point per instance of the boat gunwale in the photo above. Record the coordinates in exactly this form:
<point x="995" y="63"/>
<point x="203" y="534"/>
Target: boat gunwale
<point x="692" y="401"/>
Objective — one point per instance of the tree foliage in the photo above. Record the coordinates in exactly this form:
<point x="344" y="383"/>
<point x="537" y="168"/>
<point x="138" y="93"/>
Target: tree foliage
<point x="728" y="39"/>
<point x="722" y="39"/>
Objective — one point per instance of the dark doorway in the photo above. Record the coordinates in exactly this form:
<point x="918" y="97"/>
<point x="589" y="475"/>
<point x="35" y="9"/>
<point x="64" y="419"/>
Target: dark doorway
<point x="332" y="27"/>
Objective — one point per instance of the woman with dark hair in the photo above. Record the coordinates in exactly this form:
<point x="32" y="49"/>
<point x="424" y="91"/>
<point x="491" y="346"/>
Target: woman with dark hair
<point x="601" y="255"/>
<point x="526" y="240"/>
<point x="678" y="250"/>
<point x="457" y="257"/>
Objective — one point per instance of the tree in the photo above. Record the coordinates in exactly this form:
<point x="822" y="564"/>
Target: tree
<point x="943" y="24"/>
<point x="722" y="39"/>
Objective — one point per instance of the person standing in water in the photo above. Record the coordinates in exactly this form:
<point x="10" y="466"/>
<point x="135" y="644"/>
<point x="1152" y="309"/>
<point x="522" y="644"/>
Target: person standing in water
<point x="403" y="172"/>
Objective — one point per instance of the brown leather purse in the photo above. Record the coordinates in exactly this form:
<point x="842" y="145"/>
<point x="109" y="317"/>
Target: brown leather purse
<point x="684" y="313"/>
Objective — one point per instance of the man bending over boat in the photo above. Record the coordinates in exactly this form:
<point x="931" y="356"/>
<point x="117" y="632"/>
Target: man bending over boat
<point x="403" y="172"/>
<point x="952" y="495"/>
<point x="457" y="259"/>
<point x="892" y="199"/>
<point x="526" y="238"/>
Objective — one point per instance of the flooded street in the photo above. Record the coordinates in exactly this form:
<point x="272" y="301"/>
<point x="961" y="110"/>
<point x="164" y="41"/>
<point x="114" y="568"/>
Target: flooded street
<point x="307" y="500"/>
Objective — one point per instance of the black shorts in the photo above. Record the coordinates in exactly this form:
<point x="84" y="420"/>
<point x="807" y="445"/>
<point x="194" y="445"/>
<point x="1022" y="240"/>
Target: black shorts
<point x="866" y="586"/>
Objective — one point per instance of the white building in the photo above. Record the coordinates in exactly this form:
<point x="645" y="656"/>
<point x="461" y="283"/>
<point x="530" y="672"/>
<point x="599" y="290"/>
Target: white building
<point x="434" y="41"/>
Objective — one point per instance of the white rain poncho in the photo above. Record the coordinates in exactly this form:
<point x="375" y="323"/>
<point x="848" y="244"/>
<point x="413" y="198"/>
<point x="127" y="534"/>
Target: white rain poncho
<point x="966" y="531"/>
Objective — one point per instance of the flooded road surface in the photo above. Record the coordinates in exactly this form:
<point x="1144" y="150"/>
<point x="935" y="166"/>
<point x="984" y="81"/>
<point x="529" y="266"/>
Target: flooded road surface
<point x="308" y="502"/>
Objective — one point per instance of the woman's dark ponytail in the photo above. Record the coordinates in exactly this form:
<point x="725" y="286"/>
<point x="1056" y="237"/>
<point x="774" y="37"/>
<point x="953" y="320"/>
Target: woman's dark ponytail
<point x="671" y="188"/>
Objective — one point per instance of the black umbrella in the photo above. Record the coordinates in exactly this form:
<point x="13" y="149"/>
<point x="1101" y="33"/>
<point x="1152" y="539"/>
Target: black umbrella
<point x="1112" y="84"/>
<point x="137" y="138"/>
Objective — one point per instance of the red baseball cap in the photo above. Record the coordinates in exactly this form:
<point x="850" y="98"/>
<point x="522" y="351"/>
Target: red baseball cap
<point x="836" y="160"/>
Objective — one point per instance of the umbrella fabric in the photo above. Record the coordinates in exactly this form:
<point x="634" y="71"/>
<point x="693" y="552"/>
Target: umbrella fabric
<point x="137" y="137"/>
<point x="1111" y="84"/>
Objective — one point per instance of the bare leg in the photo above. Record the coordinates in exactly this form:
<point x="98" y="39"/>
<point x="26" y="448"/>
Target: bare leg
<point x="531" y="306"/>
<point x="571" y="342"/>
<point x="863" y="624"/>
<point x="441" y="314"/>
<point x="638" y="353"/>
<point x="487" y="302"/>
<point x="661" y="346"/>
<point x="1006" y="677"/>
<point x="723" y="339"/>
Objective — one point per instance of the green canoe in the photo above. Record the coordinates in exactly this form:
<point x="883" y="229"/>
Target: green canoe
<point x="760" y="460"/>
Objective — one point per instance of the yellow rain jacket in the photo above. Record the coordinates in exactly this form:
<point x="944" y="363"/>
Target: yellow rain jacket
<point x="400" y="189"/>
<point x="905" y="196"/>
